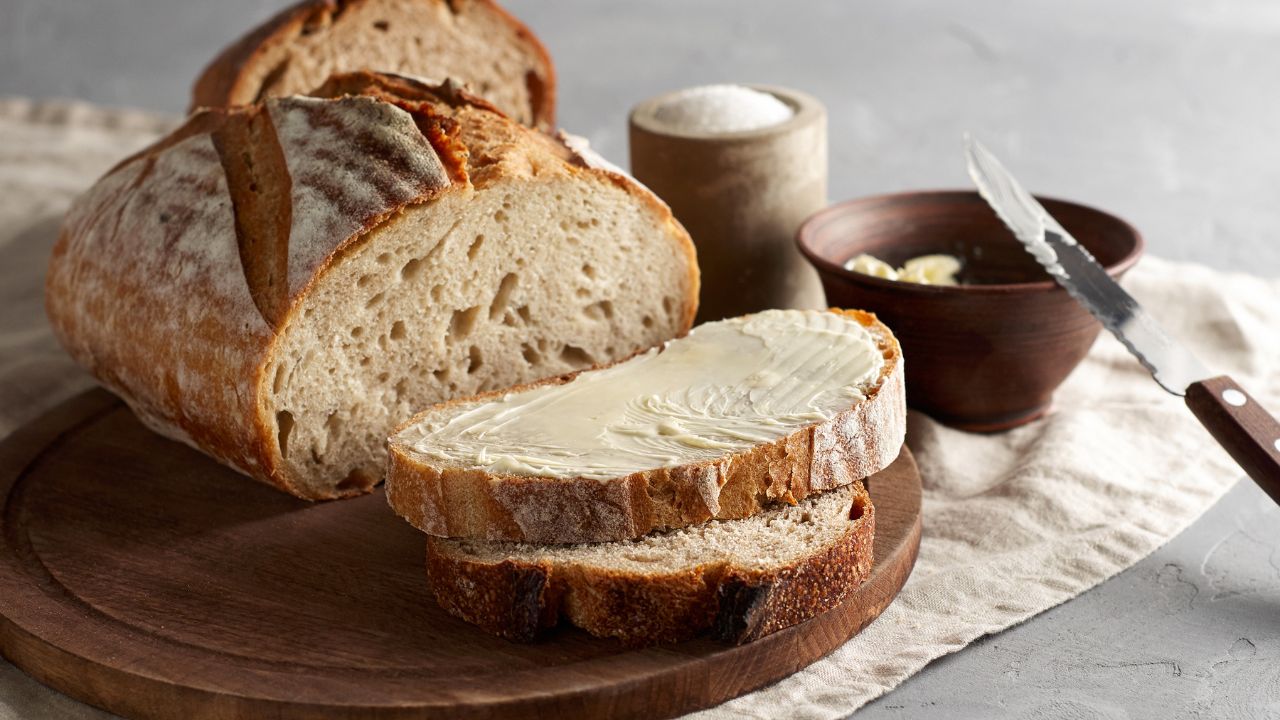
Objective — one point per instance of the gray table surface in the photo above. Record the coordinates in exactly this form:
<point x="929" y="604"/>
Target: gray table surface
<point x="1163" y="111"/>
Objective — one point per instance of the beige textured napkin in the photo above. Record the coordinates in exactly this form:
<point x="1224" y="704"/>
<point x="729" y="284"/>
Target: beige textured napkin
<point x="1013" y="523"/>
<point x="1017" y="523"/>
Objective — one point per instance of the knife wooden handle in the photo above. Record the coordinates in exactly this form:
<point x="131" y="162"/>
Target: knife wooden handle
<point x="1242" y="427"/>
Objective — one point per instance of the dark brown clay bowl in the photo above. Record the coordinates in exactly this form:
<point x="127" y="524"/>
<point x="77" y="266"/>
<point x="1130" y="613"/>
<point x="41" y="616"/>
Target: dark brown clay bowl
<point x="985" y="355"/>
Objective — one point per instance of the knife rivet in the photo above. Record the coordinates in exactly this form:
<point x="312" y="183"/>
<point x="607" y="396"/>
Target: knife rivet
<point x="1277" y="444"/>
<point x="1234" y="397"/>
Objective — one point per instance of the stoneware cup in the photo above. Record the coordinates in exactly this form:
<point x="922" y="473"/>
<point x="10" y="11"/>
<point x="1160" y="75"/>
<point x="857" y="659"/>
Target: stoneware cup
<point x="741" y="195"/>
<point x="985" y="355"/>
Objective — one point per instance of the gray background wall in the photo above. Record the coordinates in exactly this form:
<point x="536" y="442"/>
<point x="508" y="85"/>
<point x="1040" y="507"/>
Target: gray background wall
<point x="1163" y="111"/>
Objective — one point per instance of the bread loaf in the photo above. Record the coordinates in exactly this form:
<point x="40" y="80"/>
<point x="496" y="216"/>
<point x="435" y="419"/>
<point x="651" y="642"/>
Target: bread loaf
<point x="279" y="285"/>
<point x="723" y="423"/>
<point x="742" y="579"/>
<point x="473" y="41"/>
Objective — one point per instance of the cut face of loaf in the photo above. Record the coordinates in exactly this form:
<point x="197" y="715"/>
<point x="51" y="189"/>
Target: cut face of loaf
<point x="743" y="579"/>
<point x="472" y="41"/>
<point x="281" y="285"/>
<point x="722" y="423"/>
<point x="474" y="292"/>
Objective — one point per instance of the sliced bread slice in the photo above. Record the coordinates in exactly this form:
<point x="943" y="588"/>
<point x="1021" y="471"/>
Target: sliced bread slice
<point x="473" y="41"/>
<point x="738" y="415"/>
<point x="743" y="579"/>
<point x="282" y="284"/>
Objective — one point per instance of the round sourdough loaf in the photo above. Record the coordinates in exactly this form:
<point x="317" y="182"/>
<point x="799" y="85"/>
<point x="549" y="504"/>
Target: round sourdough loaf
<point x="472" y="41"/>
<point x="279" y="285"/>
<point x="451" y="499"/>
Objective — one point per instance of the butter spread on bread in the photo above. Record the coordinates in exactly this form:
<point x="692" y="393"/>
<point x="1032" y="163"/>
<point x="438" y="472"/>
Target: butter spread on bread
<point x="725" y="387"/>
<point x="738" y="416"/>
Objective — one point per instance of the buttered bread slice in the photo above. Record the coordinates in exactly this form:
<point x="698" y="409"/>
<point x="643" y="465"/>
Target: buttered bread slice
<point x="721" y="423"/>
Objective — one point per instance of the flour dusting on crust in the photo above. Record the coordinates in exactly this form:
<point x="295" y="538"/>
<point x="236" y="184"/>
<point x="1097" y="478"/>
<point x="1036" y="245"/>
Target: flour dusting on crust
<point x="351" y="161"/>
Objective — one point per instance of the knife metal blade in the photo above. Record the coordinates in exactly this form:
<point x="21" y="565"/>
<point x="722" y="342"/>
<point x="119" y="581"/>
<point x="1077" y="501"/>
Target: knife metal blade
<point x="1249" y="433"/>
<point x="1075" y="269"/>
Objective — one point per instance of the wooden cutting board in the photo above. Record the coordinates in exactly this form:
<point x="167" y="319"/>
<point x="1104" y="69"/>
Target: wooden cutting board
<point x="141" y="577"/>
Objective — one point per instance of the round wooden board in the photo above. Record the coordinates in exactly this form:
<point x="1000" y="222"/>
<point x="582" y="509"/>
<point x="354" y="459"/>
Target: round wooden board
<point x="141" y="577"/>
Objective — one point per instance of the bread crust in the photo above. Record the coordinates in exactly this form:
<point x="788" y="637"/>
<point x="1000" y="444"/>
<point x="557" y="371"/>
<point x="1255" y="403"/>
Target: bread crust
<point x="163" y="286"/>
<point x="460" y="502"/>
<point x="522" y="600"/>
<point x="225" y="81"/>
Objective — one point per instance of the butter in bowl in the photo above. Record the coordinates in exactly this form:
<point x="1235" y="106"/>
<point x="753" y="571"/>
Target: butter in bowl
<point x="936" y="269"/>
<point x="985" y="345"/>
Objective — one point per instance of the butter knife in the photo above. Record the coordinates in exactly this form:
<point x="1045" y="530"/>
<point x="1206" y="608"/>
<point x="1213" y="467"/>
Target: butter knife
<point x="1244" y="428"/>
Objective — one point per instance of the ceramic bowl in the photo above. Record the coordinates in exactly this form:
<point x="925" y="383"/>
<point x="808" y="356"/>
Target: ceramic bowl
<point x="987" y="354"/>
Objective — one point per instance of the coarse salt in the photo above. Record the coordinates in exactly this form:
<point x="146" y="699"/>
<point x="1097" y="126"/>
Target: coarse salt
<point x="721" y="109"/>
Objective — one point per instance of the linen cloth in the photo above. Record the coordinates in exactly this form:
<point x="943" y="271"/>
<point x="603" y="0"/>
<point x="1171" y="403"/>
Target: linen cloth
<point x="1014" y="523"/>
